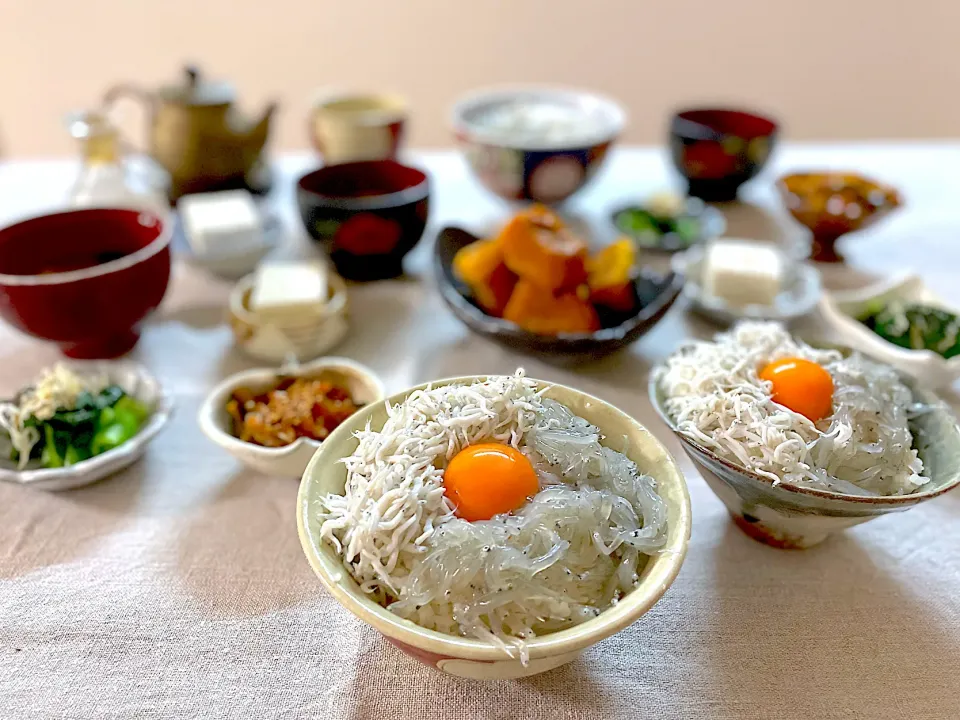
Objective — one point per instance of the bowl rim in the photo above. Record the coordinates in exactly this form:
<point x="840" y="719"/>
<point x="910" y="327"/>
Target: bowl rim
<point x="823" y="173"/>
<point x="631" y="607"/>
<point x="653" y="384"/>
<point x="398" y="198"/>
<point x="672" y="286"/>
<point x="687" y="125"/>
<point x="157" y="245"/>
<point x="393" y="107"/>
<point x="215" y="399"/>
<point x="614" y="122"/>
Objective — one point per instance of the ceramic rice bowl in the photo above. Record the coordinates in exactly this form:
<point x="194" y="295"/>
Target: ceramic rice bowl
<point x="471" y="658"/>
<point x="793" y="517"/>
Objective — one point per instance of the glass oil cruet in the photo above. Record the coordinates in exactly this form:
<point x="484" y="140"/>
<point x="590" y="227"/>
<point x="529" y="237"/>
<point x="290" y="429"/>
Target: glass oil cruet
<point x="105" y="178"/>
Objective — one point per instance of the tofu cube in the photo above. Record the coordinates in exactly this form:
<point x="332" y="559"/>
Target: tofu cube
<point x="284" y="290"/>
<point x="743" y="272"/>
<point x="221" y="223"/>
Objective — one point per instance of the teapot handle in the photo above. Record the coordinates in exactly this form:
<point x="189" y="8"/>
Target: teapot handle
<point x="142" y="96"/>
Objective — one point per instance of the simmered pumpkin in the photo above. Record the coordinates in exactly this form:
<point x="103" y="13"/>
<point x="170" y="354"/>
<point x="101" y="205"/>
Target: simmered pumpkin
<point x="540" y="249"/>
<point x="538" y="310"/>
<point x="610" y="276"/>
<point x="480" y="265"/>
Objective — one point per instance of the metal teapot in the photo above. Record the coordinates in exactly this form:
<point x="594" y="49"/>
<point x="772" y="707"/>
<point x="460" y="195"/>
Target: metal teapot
<point x="196" y="134"/>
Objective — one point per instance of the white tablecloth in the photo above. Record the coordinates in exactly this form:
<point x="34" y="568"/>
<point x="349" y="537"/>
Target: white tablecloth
<point x="178" y="588"/>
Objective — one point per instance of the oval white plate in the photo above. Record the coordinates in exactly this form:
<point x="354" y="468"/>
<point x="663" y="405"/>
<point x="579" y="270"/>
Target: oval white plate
<point x="137" y="382"/>
<point x="841" y="310"/>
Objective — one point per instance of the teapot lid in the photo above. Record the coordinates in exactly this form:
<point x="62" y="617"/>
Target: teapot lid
<point x="197" y="92"/>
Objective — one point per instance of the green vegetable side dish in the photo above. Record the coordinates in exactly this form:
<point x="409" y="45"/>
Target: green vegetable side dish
<point x="97" y="424"/>
<point x="915" y="327"/>
<point x="650" y="229"/>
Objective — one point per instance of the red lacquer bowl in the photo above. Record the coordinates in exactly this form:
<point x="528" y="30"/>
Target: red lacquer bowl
<point x="84" y="279"/>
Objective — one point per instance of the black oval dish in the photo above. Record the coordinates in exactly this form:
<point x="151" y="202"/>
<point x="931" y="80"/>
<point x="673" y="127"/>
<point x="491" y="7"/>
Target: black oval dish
<point x="655" y="294"/>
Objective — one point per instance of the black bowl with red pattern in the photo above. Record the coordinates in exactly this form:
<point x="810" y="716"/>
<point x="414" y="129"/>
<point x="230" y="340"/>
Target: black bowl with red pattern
<point x="367" y="215"/>
<point x="718" y="150"/>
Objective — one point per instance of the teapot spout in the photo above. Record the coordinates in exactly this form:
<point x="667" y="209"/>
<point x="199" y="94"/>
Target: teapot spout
<point x="256" y="135"/>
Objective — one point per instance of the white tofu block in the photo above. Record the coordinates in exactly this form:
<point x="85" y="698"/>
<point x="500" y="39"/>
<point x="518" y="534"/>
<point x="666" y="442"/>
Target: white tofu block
<point x="221" y="223"/>
<point x="284" y="290"/>
<point x="742" y="272"/>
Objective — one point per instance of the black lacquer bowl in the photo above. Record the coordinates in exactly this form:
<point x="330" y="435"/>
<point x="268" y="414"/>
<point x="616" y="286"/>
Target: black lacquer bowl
<point x="655" y="294"/>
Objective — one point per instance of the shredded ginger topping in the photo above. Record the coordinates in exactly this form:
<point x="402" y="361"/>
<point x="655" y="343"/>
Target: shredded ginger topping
<point x="570" y="552"/>
<point x="865" y="447"/>
<point x="57" y="388"/>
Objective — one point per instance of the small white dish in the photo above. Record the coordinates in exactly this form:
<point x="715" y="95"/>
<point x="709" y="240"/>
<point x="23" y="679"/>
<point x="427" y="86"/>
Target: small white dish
<point x="136" y="382"/>
<point x="277" y="341"/>
<point x="289" y="461"/>
<point x="841" y="310"/>
<point x="800" y="294"/>
<point x="231" y="265"/>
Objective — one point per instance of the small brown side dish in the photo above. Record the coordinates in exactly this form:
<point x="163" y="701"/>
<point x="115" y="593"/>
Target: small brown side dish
<point x="832" y="204"/>
<point x="295" y="408"/>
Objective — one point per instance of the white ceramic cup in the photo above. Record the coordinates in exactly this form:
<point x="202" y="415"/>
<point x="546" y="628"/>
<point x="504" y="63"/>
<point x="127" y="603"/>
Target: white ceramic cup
<point x="350" y="127"/>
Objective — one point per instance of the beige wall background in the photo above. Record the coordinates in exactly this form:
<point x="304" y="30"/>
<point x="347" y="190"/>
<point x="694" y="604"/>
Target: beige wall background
<point x="828" y="69"/>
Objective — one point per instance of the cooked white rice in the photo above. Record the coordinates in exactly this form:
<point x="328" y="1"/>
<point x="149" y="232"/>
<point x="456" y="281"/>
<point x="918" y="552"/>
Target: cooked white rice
<point x="714" y="394"/>
<point x="570" y="552"/>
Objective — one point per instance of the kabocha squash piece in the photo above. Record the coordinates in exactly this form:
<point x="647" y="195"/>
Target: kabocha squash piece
<point x="538" y="310"/>
<point x="610" y="276"/>
<point x="480" y="266"/>
<point x="539" y="248"/>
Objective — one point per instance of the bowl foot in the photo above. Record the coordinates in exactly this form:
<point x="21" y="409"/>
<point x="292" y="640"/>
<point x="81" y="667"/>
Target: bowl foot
<point x="825" y="251"/>
<point x="101" y="348"/>
<point x="360" y="269"/>
<point x="713" y="190"/>
<point x="775" y="537"/>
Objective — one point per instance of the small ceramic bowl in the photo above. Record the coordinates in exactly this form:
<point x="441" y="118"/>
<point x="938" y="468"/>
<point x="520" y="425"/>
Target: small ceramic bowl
<point x="309" y="336"/>
<point x="367" y="215"/>
<point x="136" y="382"/>
<point x="832" y="204"/>
<point x="842" y="310"/>
<point x="290" y="461"/>
<point x="655" y="294"/>
<point x="85" y="279"/>
<point x="710" y="224"/>
<point x="350" y="127"/>
<point x="231" y="265"/>
<point x="794" y="517"/>
<point x="718" y="150"/>
<point x="518" y="164"/>
<point x="801" y="292"/>
<point x="471" y="658"/>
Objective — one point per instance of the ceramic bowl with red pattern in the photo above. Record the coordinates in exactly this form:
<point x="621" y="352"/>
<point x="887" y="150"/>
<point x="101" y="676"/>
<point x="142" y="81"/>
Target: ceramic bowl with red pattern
<point x="718" y="150"/>
<point x="84" y="279"/>
<point x="536" y="144"/>
<point x="368" y="215"/>
<point x="470" y="657"/>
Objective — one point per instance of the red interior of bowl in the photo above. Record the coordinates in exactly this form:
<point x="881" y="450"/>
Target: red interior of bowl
<point x="76" y="240"/>
<point x="84" y="278"/>
<point x="731" y="122"/>
<point x="362" y="179"/>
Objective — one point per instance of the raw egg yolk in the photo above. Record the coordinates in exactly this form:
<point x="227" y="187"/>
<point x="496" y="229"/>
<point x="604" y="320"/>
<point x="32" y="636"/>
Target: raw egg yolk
<point x="488" y="479"/>
<point x="802" y="386"/>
